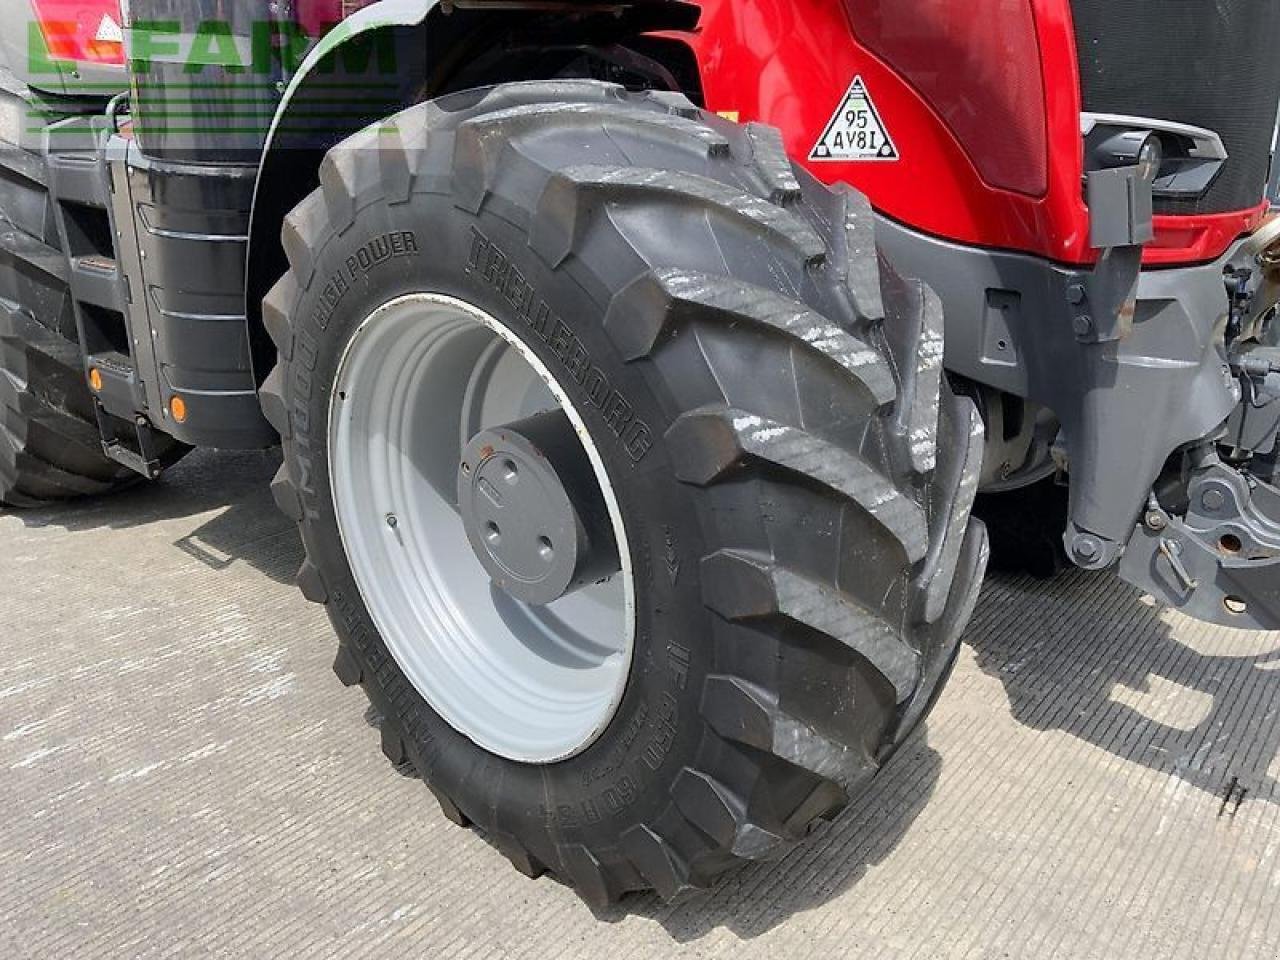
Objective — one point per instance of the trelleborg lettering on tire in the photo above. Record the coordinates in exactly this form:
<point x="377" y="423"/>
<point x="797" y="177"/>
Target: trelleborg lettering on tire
<point x="489" y="264"/>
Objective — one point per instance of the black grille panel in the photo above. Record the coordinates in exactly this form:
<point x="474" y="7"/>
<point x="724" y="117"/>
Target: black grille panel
<point x="1211" y="63"/>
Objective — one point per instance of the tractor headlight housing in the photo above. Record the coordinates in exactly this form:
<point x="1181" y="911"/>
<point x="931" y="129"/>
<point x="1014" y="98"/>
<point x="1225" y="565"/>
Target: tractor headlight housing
<point x="1126" y="148"/>
<point x="1150" y="156"/>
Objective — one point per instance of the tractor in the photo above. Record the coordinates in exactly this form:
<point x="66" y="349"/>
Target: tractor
<point x="654" y="379"/>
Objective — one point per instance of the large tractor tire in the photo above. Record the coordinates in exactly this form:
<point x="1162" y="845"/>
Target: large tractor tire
<point x="50" y="446"/>
<point x="760" y="432"/>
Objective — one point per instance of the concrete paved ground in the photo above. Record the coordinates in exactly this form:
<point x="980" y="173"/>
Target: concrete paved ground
<point x="181" y="775"/>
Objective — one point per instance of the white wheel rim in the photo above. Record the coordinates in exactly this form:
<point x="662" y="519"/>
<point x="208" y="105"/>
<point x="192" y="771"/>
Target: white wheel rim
<point x="420" y="376"/>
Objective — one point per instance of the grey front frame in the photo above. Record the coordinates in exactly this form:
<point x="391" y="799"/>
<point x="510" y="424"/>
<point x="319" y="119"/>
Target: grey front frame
<point x="1012" y="322"/>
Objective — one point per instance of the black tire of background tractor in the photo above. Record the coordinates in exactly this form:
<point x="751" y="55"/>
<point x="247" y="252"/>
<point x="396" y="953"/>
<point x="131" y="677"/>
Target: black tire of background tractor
<point x="803" y="554"/>
<point x="1025" y="527"/>
<point x="50" y="446"/>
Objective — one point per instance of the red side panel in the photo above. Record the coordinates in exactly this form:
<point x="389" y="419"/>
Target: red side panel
<point x="978" y="65"/>
<point x="82" y="31"/>
<point x="981" y="99"/>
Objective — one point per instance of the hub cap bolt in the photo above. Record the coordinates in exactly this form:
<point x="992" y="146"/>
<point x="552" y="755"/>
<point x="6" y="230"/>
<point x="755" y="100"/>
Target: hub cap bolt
<point x="1212" y="500"/>
<point x="392" y="521"/>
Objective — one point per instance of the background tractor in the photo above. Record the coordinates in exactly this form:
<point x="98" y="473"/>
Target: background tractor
<point x="638" y="365"/>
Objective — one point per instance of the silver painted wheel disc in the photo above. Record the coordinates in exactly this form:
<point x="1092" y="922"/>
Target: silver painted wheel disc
<point x="422" y="375"/>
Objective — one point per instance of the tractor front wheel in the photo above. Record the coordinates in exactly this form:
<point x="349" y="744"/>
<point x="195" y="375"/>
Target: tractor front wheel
<point x="633" y="489"/>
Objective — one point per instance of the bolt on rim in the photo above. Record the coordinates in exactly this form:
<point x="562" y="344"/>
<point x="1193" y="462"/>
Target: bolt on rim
<point x="422" y="376"/>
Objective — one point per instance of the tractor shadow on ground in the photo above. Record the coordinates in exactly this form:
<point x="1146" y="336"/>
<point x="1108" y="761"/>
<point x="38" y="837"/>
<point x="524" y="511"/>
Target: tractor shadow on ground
<point x="833" y="859"/>
<point x="1088" y="655"/>
<point x="234" y="486"/>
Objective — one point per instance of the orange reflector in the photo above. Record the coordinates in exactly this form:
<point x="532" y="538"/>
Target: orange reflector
<point x="95" y="379"/>
<point x="178" y="408"/>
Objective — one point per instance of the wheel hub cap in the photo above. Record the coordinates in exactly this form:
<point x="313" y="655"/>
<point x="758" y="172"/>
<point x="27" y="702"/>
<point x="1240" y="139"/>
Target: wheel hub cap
<point x="532" y="509"/>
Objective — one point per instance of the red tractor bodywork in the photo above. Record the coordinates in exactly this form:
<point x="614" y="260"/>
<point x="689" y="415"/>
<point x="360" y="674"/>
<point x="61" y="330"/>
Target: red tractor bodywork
<point x="74" y="30"/>
<point x="982" y="100"/>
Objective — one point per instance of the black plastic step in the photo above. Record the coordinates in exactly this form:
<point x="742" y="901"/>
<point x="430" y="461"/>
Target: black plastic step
<point x="139" y="463"/>
<point x="127" y="436"/>
<point x="77" y="177"/>
<point x="130" y="441"/>
<point x="95" y="279"/>
<point x="120" y="388"/>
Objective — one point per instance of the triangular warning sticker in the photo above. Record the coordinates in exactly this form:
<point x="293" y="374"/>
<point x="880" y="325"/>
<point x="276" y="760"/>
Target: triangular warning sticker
<point x="856" y="131"/>
<point x="108" y="30"/>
